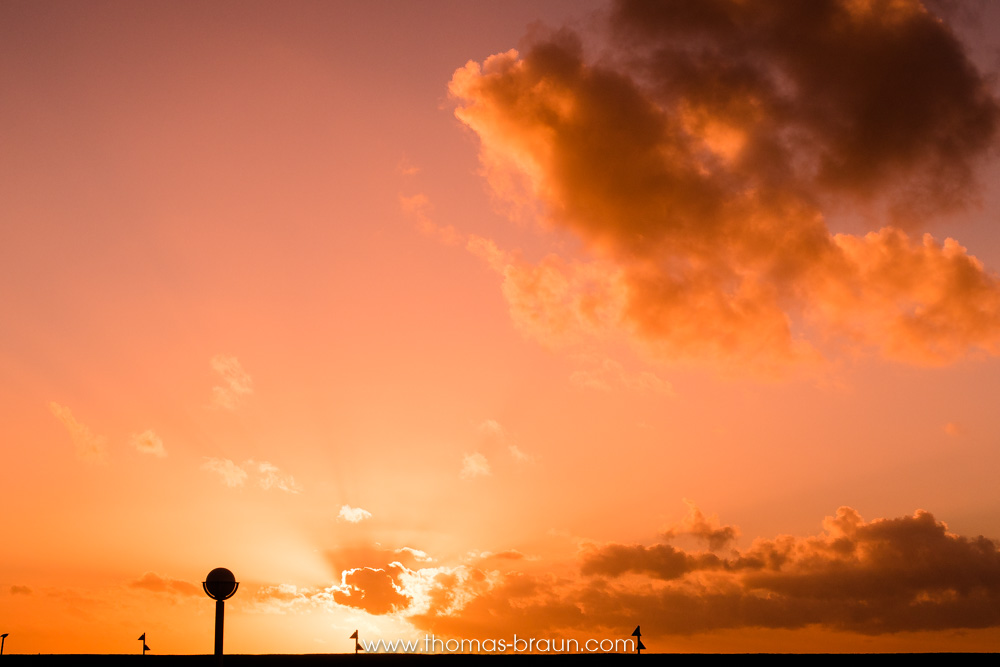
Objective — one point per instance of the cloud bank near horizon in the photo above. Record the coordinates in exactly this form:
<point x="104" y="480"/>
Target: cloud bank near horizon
<point x="869" y="577"/>
<point x="876" y="577"/>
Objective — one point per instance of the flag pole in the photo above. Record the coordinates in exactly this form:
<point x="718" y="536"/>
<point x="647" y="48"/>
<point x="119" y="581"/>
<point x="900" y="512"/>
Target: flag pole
<point x="638" y="641"/>
<point x="357" y="644"/>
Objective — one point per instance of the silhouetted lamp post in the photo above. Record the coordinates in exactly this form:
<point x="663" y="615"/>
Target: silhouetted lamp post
<point x="3" y="638"/>
<point x="220" y="585"/>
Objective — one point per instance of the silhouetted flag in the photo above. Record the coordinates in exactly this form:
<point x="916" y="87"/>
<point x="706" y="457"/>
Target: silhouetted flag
<point x="638" y="642"/>
<point x="357" y="644"/>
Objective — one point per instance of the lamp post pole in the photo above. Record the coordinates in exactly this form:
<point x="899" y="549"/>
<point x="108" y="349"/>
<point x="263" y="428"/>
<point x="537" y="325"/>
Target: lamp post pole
<point x="220" y="613"/>
<point x="220" y="585"/>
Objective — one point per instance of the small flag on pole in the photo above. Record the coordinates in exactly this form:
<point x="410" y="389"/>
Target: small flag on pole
<point x="357" y="644"/>
<point x="145" y="648"/>
<point x="638" y="642"/>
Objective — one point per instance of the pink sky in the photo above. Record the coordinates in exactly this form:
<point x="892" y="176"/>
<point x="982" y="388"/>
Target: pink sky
<point x="538" y="318"/>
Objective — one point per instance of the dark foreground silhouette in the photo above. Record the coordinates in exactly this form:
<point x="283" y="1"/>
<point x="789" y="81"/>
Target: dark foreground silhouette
<point x="408" y="660"/>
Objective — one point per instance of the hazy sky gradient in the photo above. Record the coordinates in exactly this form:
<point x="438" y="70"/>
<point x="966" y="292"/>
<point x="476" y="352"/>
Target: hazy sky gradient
<point x="548" y="319"/>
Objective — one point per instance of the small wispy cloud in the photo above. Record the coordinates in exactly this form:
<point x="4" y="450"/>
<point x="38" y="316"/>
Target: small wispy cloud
<point x="407" y="168"/>
<point x="707" y="528"/>
<point x="611" y="376"/>
<point x="418" y="554"/>
<point x="474" y="465"/>
<point x="20" y="590"/>
<point x="353" y="514"/>
<point x="518" y="455"/>
<point x="89" y="446"/>
<point x="491" y="428"/>
<point x="232" y="475"/>
<point x="419" y="208"/>
<point x="493" y="432"/>
<point x="158" y="584"/>
<point x="271" y="477"/>
<point x="267" y="475"/>
<point x="237" y="382"/>
<point x="148" y="442"/>
<point x="506" y="555"/>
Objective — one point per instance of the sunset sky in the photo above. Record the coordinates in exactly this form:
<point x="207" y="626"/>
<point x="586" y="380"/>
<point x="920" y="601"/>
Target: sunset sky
<point x="482" y="319"/>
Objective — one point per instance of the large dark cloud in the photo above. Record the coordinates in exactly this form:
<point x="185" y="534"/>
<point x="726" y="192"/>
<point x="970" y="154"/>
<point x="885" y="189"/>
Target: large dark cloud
<point x="864" y="95"/>
<point x="701" y="161"/>
<point x="662" y="561"/>
<point x="882" y="576"/>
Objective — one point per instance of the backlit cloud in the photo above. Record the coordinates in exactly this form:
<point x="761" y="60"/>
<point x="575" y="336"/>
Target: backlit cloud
<point x="700" y="165"/>
<point x="148" y="442"/>
<point x="89" y="446"/>
<point x="371" y="589"/>
<point x="373" y="578"/>
<point x="401" y="581"/>
<point x="237" y="383"/>
<point x="353" y="514"/>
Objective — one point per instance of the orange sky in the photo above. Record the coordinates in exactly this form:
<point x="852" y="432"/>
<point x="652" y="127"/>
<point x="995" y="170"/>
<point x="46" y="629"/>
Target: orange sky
<point x="546" y="319"/>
